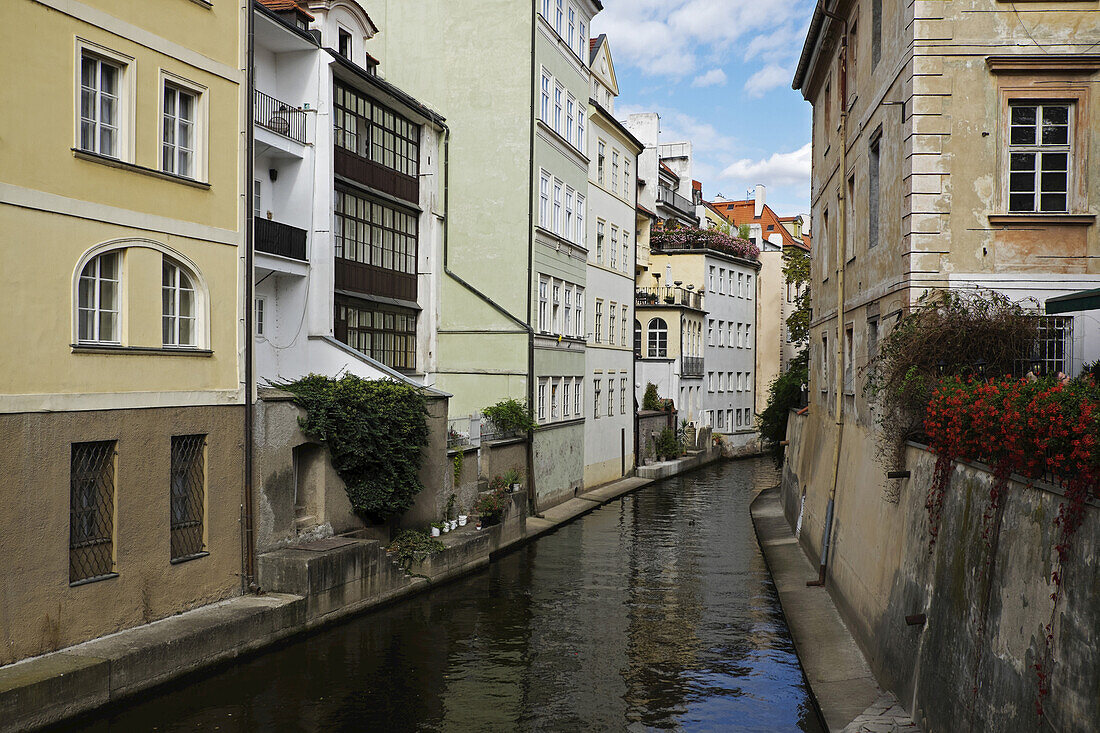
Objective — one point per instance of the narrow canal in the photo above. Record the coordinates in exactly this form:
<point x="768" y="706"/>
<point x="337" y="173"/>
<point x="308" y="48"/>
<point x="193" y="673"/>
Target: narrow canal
<point x="654" y="612"/>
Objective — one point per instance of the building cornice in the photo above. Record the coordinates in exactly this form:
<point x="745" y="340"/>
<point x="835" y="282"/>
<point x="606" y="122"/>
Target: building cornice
<point x="1063" y="63"/>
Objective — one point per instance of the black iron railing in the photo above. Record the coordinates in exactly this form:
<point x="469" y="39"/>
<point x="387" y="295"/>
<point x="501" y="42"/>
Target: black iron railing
<point x="279" y="117"/>
<point x="691" y="366"/>
<point x="670" y="198"/>
<point x="668" y="295"/>
<point x="280" y="239"/>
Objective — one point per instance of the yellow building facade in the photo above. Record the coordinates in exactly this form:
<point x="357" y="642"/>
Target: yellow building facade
<point x="121" y="400"/>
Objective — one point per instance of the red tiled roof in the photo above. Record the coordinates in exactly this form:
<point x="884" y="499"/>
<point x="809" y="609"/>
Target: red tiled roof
<point x="696" y="186"/>
<point x="592" y="43"/>
<point x="647" y="212"/>
<point x="668" y="170"/>
<point x="283" y="5"/>
<point x="744" y="212"/>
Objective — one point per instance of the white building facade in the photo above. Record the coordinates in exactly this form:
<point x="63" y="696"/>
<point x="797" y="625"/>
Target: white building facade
<point x="611" y="220"/>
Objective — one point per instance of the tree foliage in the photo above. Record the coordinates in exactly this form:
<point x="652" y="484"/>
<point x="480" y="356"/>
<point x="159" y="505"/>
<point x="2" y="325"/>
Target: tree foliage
<point x="784" y="393"/>
<point x="651" y="400"/>
<point x="796" y="271"/>
<point x="508" y="415"/>
<point x="374" y="431"/>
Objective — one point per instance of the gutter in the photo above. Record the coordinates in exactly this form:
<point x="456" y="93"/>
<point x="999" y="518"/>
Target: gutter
<point x="532" y="491"/>
<point x="812" y="34"/>
<point x="248" y="539"/>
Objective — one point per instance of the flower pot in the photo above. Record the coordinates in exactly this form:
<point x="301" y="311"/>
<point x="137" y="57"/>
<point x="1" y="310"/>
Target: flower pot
<point x="435" y="531"/>
<point x="452" y="525"/>
<point x="446" y="527"/>
<point x="515" y="488"/>
<point x="462" y="520"/>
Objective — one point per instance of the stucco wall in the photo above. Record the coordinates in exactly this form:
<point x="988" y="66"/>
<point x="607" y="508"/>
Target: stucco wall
<point x="39" y="610"/>
<point x="881" y="570"/>
<point x="559" y="462"/>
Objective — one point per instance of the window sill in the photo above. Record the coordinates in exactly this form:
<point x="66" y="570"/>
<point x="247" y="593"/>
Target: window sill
<point x="96" y="579"/>
<point x="1079" y="220"/>
<point x="116" y="349"/>
<point x="116" y="163"/>
<point x="188" y="558"/>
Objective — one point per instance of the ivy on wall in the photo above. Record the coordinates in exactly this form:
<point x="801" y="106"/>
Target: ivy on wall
<point x="375" y="432"/>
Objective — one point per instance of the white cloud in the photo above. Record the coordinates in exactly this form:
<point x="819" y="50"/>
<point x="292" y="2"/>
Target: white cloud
<point x="777" y="170"/>
<point x="679" y="127"/>
<point x="709" y="79"/>
<point x="770" y="77"/>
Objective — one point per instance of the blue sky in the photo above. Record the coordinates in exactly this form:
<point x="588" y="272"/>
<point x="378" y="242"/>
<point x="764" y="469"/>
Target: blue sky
<point x="719" y="73"/>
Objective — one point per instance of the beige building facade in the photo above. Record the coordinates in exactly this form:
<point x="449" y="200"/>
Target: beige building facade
<point x="122" y="399"/>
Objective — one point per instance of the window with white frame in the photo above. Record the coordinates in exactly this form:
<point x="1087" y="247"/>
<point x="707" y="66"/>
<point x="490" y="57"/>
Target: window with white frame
<point x="544" y="108"/>
<point x="739" y="342"/>
<point x="599" y="240"/>
<point x="658" y="338"/>
<point x="710" y="332"/>
<point x="567" y="231"/>
<point x="613" y="252"/>
<point x="748" y="335"/>
<point x="622" y="395"/>
<point x="596" y="397"/>
<point x="554" y="399"/>
<point x="721" y="281"/>
<point x="256" y="198"/>
<point x="580" y="237"/>
<point x="555" y="305"/>
<point x="721" y="333"/>
<point x="578" y="396"/>
<point x="610" y="398"/>
<point x="542" y="399"/>
<point x="740" y="285"/>
<point x="710" y="279"/>
<point x="1039" y="153"/>
<point x="626" y="178"/>
<point x="567" y="132"/>
<point x="558" y="94"/>
<point x="579" y="138"/>
<point x="710" y="381"/>
<point x="178" y="119"/>
<point x="578" y="313"/>
<point x="98" y="299"/>
<point x="622" y="326"/>
<point x="566" y="386"/>
<point x="598" y="337"/>
<point x="612" y="313"/>
<point x="600" y="158"/>
<point x="546" y="10"/>
<point x="558" y="16"/>
<point x="544" y="304"/>
<point x="178" y="316"/>
<point x="615" y="170"/>
<point x="572" y="26"/>
<point x="749" y="292"/>
<point x="544" y="200"/>
<point x="582" y="41"/>
<point x="100" y="105"/>
<point x="261" y="316"/>
<point x="567" y="311"/>
<point x="626" y="250"/>
<point x="557" y="206"/>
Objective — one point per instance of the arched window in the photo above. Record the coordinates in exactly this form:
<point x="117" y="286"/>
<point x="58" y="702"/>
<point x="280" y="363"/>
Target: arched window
<point x="98" y="299"/>
<point x="178" y="307"/>
<point x="658" y="338"/>
<point x="637" y="338"/>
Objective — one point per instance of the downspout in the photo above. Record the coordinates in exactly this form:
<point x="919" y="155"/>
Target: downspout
<point x="532" y="493"/>
<point x="840" y="262"/>
<point x="248" y="539"/>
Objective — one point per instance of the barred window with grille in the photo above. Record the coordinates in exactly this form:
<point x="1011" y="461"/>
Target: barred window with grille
<point x="188" y="483"/>
<point x="91" y="510"/>
<point x="1053" y="351"/>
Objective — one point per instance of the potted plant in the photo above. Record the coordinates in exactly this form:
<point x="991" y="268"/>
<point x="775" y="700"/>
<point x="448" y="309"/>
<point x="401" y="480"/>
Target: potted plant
<point x="491" y="504"/>
<point x="437" y="527"/>
<point x="512" y="480"/>
<point x="462" y="520"/>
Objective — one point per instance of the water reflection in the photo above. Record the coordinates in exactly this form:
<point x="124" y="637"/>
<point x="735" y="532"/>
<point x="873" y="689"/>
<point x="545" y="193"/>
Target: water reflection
<point x="654" y="612"/>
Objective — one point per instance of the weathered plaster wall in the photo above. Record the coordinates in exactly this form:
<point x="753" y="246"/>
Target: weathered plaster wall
<point x="559" y="462"/>
<point x="881" y="570"/>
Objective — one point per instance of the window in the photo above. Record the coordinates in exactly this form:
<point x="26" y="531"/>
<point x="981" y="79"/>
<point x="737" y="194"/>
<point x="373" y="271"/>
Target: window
<point x="610" y="398"/>
<point x="600" y="157"/>
<point x="828" y="112"/>
<point x="738" y="417"/>
<point x="876" y="32"/>
<point x="626" y="178"/>
<point x="626" y="251"/>
<point x="849" y="353"/>
<point x="710" y="332"/>
<point x="569" y="104"/>
<point x="596" y="399"/>
<point x="872" y="338"/>
<point x="721" y="419"/>
<point x="739" y="342"/>
<point x="612" y="312"/>
<point x="256" y="199"/>
<point x="852" y="65"/>
<point x="749" y="292"/>
<point x="1039" y="155"/>
<point x="658" y="338"/>
<point x="615" y="170"/>
<point x="178" y="132"/>
<point x="748" y="335"/>
<point x="544" y="322"/>
<point x="567" y="312"/>
<point x="558" y="93"/>
<point x="557" y="206"/>
<point x="555" y="307"/>
<point x="542" y="399"/>
<point x="721" y="333"/>
<point x="824" y="362"/>
<point x="579" y="139"/>
<point x="613" y="252"/>
<point x="710" y="279"/>
<point x="553" y="399"/>
<point x="558" y="17"/>
<point x="622" y="395"/>
<point x="599" y="321"/>
<point x="384" y="333"/>
<point x="567" y="232"/>
<point x="546" y="10"/>
<point x="565" y="392"/>
<point x="572" y="25"/>
<point x="373" y="233"/>
<point x="100" y="107"/>
<point x="824" y="249"/>
<point x="740" y="285"/>
<point x="622" y="325"/>
<point x="260" y="308"/>
<point x="637" y="338"/>
<point x="578" y="392"/>
<point x="872" y="193"/>
<point x="344" y="43"/>
<point x="599" y="240"/>
<point x="91" y="510"/>
<point x="188" y="506"/>
<point x="578" y="313"/>
<point x="1054" y="346"/>
<point x="582" y="42"/>
<point x="544" y="200"/>
<point x="98" y="300"/>
<point x="721" y="281"/>
<point x="544" y="109"/>
<point x="581" y="237"/>
<point x="375" y="132"/>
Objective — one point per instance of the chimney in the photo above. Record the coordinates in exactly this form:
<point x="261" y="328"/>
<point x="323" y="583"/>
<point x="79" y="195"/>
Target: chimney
<point x="760" y="197"/>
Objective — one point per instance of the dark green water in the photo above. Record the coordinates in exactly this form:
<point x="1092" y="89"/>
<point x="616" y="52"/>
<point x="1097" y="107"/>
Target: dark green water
<point x="654" y="612"/>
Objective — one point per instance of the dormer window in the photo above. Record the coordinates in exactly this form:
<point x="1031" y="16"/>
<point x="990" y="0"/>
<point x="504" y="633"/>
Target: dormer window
<point x="344" y="47"/>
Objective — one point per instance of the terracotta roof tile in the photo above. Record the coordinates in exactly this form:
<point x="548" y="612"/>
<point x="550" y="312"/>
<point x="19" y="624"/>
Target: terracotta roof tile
<point x="283" y="5"/>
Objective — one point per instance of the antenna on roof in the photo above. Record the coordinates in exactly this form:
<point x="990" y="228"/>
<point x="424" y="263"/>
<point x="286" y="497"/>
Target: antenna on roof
<point x="749" y="193"/>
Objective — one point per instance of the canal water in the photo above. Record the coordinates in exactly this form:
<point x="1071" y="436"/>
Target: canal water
<point x="654" y="612"/>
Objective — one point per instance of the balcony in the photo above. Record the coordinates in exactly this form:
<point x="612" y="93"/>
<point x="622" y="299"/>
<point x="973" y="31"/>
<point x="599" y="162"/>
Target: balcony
<point x="280" y="239"/>
<point x="668" y="295"/>
<point x="691" y="366"/>
<point x="377" y="176"/>
<point x="279" y="117"/>
<point x="675" y="201"/>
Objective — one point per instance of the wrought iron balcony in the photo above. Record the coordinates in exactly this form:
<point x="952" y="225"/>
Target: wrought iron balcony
<point x="280" y="239"/>
<point x="668" y="295"/>
<point x="691" y="366"/>
<point x="673" y="200"/>
<point x="279" y="117"/>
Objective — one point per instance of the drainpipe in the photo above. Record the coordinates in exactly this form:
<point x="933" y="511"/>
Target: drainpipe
<point x="248" y="539"/>
<point x="841" y="249"/>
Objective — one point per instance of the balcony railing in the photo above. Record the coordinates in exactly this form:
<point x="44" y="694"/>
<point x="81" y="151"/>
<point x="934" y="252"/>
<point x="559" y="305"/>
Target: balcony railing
<point x="673" y="200"/>
<point x="691" y="366"/>
<point x="279" y="117"/>
<point x="668" y="295"/>
<point x="280" y="239"/>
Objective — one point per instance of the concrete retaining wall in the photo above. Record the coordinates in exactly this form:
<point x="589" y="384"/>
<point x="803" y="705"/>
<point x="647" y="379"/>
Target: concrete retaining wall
<point x="985" y="623"/>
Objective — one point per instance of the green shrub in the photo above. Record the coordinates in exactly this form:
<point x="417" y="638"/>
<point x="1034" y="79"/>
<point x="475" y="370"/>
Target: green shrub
<point x="784" y="393"/>
<point x="413" y="547"/>
<point x="374" y="431"/>
<point x="667" y="444"/>
<point x="651" y="400"/>
<point x="508" y="415"/>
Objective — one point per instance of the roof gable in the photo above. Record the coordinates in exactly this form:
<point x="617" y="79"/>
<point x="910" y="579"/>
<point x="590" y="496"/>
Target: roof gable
<point x="602" y="66"/>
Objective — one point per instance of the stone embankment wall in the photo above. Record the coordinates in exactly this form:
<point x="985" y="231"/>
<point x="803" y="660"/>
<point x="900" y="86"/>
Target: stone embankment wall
<point x="986" y="599"/>
<point x="650" y="425"/>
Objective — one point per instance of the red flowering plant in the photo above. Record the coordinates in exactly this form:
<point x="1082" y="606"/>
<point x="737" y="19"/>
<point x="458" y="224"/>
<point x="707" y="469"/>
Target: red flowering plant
<point x="675" y="237"/>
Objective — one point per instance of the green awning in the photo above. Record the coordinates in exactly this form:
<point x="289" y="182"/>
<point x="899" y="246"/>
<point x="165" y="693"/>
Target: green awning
<point x="1086" y="300"/>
